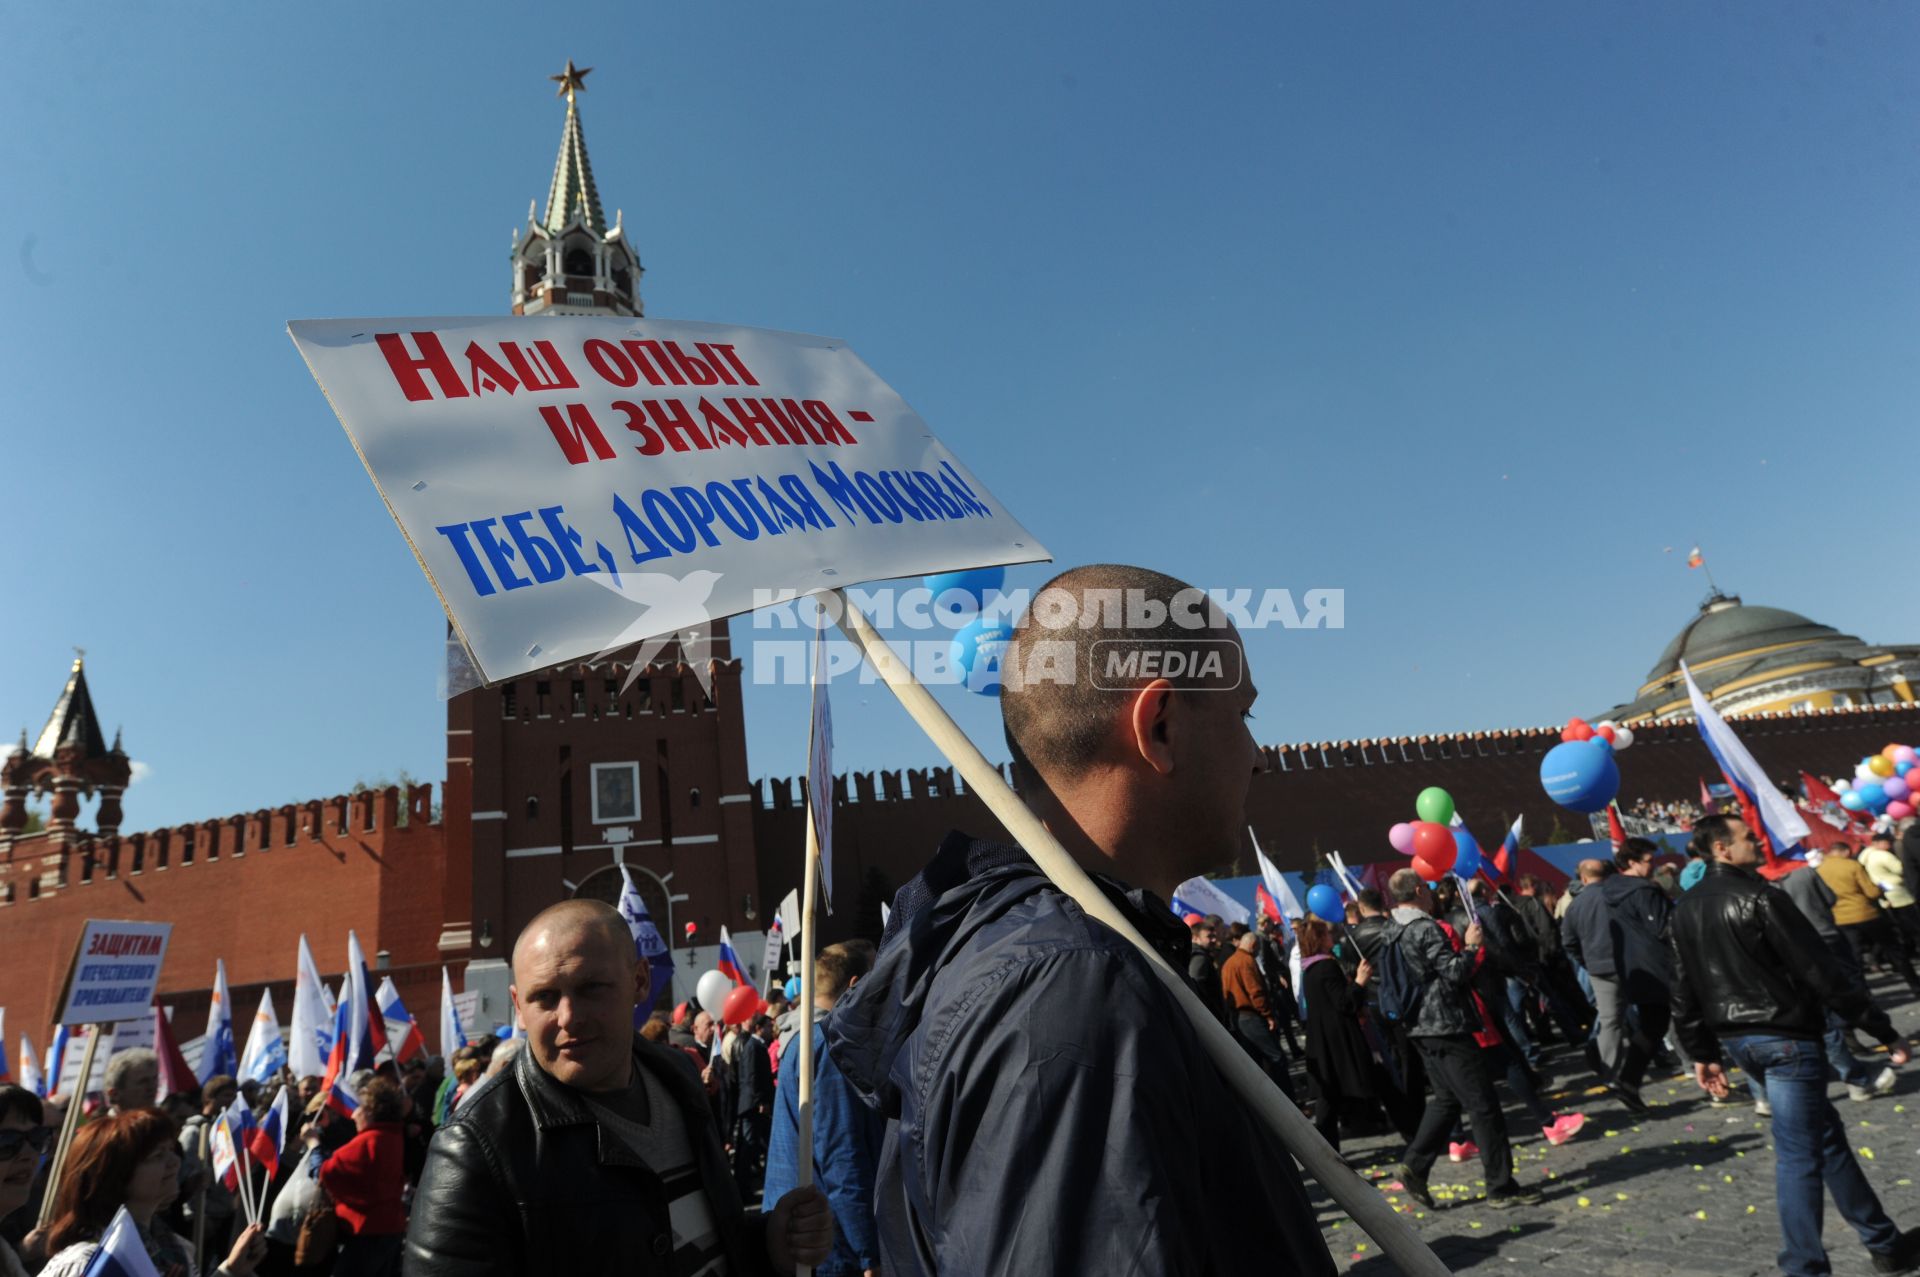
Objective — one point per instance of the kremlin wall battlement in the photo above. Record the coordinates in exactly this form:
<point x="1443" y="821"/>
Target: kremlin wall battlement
<point x="240" y="888"/>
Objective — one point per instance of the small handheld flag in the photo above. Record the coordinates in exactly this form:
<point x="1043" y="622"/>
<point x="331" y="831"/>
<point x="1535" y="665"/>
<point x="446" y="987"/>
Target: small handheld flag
<point x="649" y="944"/>
<point x="121" y="1252"/>
<point x="453" y="1034"/>
<point x="269" y="1136"/>
<point x="312" y="1030"/>
<point x="266" y="1052"/>
<point x="219" y="1056"/>
<point x="30" y="1075"/>
<point x="403" y="1036"/>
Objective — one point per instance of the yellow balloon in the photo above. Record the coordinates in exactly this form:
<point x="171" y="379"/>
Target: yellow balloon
<point x="1880" y="765"/>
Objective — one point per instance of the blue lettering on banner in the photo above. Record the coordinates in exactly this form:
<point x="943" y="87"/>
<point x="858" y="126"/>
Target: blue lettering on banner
<point x="506" y="552"/>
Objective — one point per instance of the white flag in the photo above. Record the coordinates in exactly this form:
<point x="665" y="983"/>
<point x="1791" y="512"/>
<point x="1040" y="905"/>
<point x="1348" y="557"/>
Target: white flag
<point x="266" y="1051"/>
<point x="1199" y="895"/>
<point x="311" y="1034"/>
<point x="453" y="1035"/>
<point x="1277" y="885"/>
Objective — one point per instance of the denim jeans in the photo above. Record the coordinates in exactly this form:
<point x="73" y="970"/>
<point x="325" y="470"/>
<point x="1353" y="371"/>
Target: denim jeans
<point x="1810" y="1146"/>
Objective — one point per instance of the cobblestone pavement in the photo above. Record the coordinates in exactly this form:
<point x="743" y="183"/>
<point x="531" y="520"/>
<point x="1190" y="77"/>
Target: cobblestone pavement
<point x="1687" y="1190"/>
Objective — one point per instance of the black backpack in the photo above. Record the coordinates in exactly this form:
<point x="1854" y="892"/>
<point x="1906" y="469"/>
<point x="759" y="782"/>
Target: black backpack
<point x="1399" y="992"/>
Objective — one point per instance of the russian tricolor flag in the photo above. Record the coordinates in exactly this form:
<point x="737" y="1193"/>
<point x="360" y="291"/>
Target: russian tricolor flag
<point x="359" y="1031"/>
<point x="121" y="1253"/>
<point x="1768" y="812"/>
<point x="729" y="964"/>
<point x="270" y="1135"/>
<point x="402" y="1034"/>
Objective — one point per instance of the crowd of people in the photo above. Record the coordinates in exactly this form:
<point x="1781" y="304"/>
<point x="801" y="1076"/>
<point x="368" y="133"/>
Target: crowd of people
<point x="1005" y="1085"/>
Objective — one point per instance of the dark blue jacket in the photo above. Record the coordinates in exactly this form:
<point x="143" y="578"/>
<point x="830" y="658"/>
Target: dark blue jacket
<point x="846" y="1151"/>
<point x="1049" y="1109"/>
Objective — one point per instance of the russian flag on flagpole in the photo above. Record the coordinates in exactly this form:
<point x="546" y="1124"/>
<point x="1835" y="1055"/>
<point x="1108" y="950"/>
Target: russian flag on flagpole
<point x="403" y="1036"/>
<point x="1265" y="900"/>
<point x="453" y="1034"/>
<point x="1504" y="860"/>
<point x="121" y="1252"/>
<point x="1767" y="811"/>
<point x="219" y="1055"/>
<point x="1276" y="885"/>
<point x="729" y="964"/>
<point x="270" y="1136"/>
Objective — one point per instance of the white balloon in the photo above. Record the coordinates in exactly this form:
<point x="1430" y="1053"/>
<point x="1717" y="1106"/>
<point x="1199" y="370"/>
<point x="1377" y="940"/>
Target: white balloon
<point x="1842" y="786"/>
<point x="1622" y="737"/>
<point x="712" y="991"/>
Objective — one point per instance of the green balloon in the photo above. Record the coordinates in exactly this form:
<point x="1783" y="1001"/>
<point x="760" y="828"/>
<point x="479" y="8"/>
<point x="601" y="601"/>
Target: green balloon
<point x="1435" y="804"/>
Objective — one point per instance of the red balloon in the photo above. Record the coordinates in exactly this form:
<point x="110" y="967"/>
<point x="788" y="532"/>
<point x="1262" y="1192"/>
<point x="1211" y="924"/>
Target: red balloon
<point x="1577" y="729"/>
<point x="741" y="1005"/>
<point x="1605" y="732"/>
<point x="680" y="1014"/>
<point x="1427" y="872"/>
<point x="1434" y="844"/>
<point x="691" y="928"/>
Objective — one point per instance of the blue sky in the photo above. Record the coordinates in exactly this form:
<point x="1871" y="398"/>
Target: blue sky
<point x="1468" y="310"/>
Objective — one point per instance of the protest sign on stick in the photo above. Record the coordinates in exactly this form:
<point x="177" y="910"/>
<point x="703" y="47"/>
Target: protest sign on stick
<point x="574" y="485"/>
<point x="113" y="975"/>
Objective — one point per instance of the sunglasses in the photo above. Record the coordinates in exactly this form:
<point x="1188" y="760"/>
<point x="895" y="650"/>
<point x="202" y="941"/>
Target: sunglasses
<point x="35" y="1137"/>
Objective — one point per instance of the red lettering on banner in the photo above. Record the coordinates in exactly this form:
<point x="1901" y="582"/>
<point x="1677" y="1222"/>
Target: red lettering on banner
<point x="649" y="445"/>
<point x="818" y="410"/>
<point x="575" y="432"/>
<point x="484" y="372"/>
<point x="677" y="425"/>
<point x="606" y="359"/>
<point x="751" y="417"/>
<point x="722" y="428"/>
<point x="541" y="370"/>
<point x="432" y="358"/>
<point x="779" y="414"/>
<point x="696" y="369"/>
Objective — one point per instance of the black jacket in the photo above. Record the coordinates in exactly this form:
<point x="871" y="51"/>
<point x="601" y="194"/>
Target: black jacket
<point x="1446" y="1008"/>
<point x="522" y="1180"/>
<point x="1639" y="919"/>
<point x="1748" y="962"/>
<point x="1203" y="973"/>
<point x="1048" y="1109"/>
<point x="1586" y="932"/>
<point x="1540" y="925"/>
<point x="753" y="1069"/>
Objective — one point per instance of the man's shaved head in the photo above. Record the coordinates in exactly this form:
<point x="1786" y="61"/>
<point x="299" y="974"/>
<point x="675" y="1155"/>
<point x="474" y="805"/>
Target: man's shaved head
<point x="567" y="922"/>
<point x="1062" y="691"/>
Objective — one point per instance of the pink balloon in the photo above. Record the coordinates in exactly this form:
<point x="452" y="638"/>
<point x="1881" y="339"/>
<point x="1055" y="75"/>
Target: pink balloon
<point x="1897" y="789"/>
<point x="1401" y="836"/>
<point x="1899" y="810"/>
<point x="1903" y="754"/>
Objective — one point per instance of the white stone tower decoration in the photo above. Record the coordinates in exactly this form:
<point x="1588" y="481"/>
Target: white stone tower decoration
<point x="570" y="262"/>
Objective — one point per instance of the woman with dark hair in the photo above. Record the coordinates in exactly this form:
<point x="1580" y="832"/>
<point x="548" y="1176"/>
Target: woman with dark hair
<point x="130" y="1160"/>
<point x="366" y="1178"/>
<point x="1340" y="1065"/>
<point x="24" y="1135"/>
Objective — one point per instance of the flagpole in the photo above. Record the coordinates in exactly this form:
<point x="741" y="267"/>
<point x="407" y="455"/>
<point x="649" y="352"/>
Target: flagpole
<point x="69" y="1123"/>
<point x="807" y="941"/>
<point x="1362" y="1201"/>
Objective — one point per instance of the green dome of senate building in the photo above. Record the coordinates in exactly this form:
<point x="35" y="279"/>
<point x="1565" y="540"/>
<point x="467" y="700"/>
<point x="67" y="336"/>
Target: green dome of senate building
<point x="1756" y="659"/>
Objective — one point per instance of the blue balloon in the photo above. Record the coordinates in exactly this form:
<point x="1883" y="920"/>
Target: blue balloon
<point x="1580" y="775"/>
<point x="977" y="650"/>
<point x="1853" y="801"/>
<point x="959" y="596"/>
<point x="1324" y="901"/>
<point x="1902" y="768"/>
<point x="1871" y="794"/>
<point x="1466" y="854"/>
<point x="793" y="988"/>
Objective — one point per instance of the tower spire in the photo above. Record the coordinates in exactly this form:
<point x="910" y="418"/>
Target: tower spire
<point x="568" y="261"/>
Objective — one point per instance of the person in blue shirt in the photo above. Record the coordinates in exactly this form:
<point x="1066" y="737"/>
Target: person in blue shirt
<point x="846" y="1133"/>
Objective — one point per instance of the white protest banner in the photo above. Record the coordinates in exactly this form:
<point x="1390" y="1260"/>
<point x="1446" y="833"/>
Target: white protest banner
<point x="1203" y="897"/>
<point x="573" y="484"/>
<point x="115" y="969"/>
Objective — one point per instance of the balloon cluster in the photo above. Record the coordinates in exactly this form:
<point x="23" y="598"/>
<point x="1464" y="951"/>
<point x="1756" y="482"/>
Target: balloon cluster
<point x="1438" y="846"/>
<point x="1579" y="773"/>
<point x="1881" y="785"/>
<point x="727" y="1002"/>
<point x="982" y="641"/>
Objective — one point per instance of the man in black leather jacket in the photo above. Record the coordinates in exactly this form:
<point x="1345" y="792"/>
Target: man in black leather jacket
<point x="1751" y="976"/>
<point x="596" y="1151"/>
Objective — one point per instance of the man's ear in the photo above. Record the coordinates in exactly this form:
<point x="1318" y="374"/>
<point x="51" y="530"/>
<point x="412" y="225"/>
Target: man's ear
<point x="1148" y="727"/>
<point x="642" y="982"/>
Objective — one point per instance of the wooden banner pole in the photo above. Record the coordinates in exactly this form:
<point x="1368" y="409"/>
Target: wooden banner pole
<point x="810" y="896"/>
<point x="70" y="1122"/>
<point x="1361" y="1200"/>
